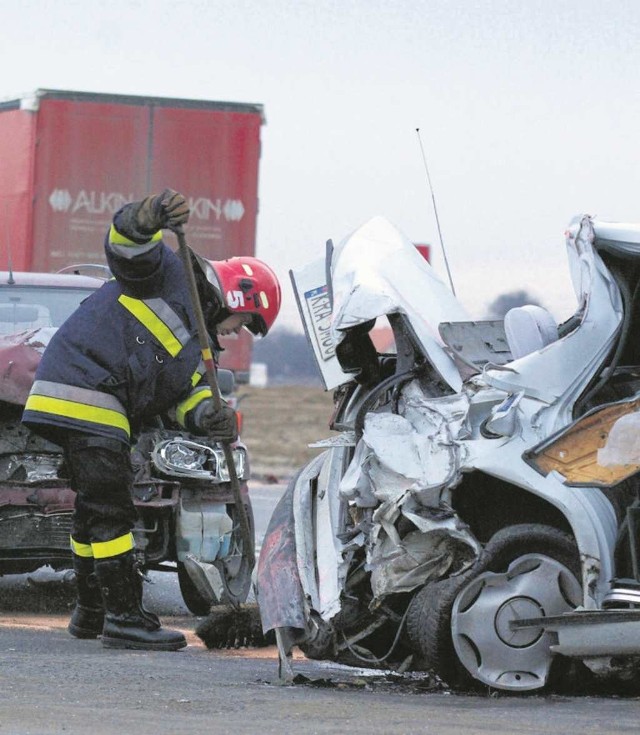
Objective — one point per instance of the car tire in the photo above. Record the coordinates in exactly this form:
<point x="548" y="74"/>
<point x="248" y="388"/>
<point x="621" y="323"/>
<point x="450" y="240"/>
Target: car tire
<point x="429" y="630"/>
<point x="195" y="602"/>
<point x="460" y="626"/>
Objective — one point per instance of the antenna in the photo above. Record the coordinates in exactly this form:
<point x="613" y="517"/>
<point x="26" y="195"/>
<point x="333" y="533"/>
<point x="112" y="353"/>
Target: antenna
<point x="435" y="211"/>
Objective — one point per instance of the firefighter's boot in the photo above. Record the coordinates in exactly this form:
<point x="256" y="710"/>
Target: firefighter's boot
<point x="127" y="624"/>
<point x="87" y="617"/>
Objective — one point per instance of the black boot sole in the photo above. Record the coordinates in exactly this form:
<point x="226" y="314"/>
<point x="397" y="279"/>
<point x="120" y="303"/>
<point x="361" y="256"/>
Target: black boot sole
<point x="122" y="643"/>
<point x="83" y="633"/>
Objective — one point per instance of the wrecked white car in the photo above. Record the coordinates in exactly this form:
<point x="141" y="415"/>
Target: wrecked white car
<point x="476" y="514"/>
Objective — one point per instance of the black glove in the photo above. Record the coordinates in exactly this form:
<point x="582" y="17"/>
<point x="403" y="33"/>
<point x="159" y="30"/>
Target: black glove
<point x="169" y="209"/>
<point x="220" y="425"/>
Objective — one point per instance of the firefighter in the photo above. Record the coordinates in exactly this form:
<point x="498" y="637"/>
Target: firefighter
<point x="128" y="353"/>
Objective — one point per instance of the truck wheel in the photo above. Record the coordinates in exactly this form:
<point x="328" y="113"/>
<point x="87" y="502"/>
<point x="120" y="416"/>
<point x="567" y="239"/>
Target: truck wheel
<point x="461" y="625"/>
<point x="195" y="602"/>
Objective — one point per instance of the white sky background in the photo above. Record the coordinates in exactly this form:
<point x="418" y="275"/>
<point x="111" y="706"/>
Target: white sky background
<point x="529" y="112"/>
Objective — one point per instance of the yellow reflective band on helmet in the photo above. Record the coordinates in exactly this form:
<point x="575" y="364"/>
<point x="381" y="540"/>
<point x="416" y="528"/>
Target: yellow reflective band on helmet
<point x="264" y="299"/>
<point x="115" y="238"/>
<point x="199" y="395"/>
<point x="80" y="411"/>
<point x="106" y="549"/>
<point x="79" y="549"/>
<point x="151" y="321"/>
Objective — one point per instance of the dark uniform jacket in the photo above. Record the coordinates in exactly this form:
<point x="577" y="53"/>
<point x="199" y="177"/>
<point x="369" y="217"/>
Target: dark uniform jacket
<point x="129" y="352"/>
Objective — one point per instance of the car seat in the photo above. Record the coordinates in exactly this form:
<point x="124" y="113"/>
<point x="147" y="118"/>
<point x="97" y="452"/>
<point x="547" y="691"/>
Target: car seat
<point x="529" y="328"/>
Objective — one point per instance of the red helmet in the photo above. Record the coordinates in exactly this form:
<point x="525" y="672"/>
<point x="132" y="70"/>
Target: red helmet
<point x="248" y="286"/>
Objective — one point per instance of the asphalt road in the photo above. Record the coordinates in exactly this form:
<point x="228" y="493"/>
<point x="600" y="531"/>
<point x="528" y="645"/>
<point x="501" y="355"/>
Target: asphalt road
<point x="53" y="683"/>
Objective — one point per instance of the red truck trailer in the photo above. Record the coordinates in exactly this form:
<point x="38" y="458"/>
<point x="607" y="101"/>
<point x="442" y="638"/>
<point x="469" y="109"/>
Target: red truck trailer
<point x="69" y="160"/>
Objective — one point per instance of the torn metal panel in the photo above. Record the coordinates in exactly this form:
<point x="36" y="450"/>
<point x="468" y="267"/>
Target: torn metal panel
<point x="319" y="552"/>
<point x="419" y="557"/>
<point x="355" y="485"/>
<point x="376" y="272"/>
<point x="343" y="439"/>
<point x="476" y="343"/>
<point x="279" y="591"/>
<point x="418" y="450"/>
<point x="304" y="525"/>
<point x="404" y="465"/>
<point x="563" y="367"/>
<point x="441" y="544"/>
<point x="331" y="558"/>
<point x="27" y="458"/>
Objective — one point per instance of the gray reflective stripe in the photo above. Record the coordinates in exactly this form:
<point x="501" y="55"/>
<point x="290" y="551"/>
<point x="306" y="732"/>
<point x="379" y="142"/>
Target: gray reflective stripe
<point x="167" y="315"/>
<point x="79" y="395"/>
<point x="133" y="250"/>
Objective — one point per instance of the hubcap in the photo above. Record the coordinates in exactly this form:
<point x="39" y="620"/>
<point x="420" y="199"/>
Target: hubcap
<point x="489" y="647"/>
<point x="518" y="608"/>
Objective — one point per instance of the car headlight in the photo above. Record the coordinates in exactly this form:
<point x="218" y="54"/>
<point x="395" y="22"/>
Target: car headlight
<point x="180" y="457"/>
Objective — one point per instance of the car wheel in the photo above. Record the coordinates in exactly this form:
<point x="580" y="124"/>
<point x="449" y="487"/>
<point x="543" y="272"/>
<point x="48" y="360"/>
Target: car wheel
<point x="462" y="625"/>
<point x="195" y="602"/>
<point x="429" y="630"/>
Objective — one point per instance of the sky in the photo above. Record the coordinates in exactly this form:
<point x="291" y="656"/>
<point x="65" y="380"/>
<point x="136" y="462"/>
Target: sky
<point x="528" y="113"/>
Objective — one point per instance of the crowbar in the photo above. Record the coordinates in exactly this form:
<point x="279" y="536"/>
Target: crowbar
<point x="212" y="379"/>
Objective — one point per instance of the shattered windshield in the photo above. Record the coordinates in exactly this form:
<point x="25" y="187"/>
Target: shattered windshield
<point x="33" y="307"/>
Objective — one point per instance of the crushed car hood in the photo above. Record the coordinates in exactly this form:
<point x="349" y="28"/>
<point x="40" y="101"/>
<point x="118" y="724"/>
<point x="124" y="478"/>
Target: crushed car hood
<point x="376" y="271"/>
<point x="19" y="358"/>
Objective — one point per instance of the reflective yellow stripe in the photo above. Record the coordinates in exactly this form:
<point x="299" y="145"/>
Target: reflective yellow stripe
<point x="78" y="395"/>
<point x="81" y="549"/>
<point x="117" y="239"/>
<point x="81" y="411"/>
<point x="206" y="354"/>
<point x="104" y="549"/>
<point x="191" y="402"/>
<point x="156" y="326"/>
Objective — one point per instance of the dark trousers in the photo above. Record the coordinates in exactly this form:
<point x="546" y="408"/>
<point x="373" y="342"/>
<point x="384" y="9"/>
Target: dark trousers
<point x="100" y="472"/>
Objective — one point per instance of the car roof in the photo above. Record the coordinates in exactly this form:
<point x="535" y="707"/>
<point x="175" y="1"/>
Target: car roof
<point x="54" y="280"/>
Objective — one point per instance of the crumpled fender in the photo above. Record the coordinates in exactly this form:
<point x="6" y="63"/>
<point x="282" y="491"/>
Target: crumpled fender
<point x="19" y="358"/>
<point x="41" y="499"/>
<point x="279" y="590"/>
